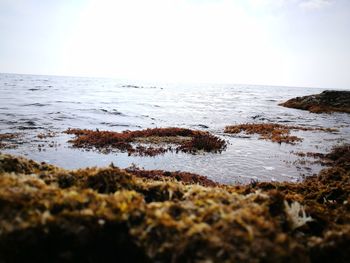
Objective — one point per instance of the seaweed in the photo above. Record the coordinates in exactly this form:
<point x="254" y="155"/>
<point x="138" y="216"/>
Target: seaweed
<point x="339" y="156"/>
<point x="45" y="135"/>
<point x="272" y="131"/>
<point x="148" y="142"/>
<point x="185" y="177"/>
<point x="110" y="214"/>
<point x="7" y="140"/>
<point x="325" y="196"/>
<point x="205" y="142"/>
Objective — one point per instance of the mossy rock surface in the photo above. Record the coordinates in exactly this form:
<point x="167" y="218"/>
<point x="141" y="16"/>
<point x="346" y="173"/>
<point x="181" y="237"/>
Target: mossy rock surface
<point x="328" y="101"/>
<point x="48" y="214"/>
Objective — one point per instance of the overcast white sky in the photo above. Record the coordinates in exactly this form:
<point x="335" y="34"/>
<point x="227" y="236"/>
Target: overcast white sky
<point x="275" y="42"/>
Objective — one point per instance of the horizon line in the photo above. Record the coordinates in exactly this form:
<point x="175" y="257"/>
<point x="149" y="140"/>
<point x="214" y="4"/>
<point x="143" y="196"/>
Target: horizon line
<point x="164" y="82"/>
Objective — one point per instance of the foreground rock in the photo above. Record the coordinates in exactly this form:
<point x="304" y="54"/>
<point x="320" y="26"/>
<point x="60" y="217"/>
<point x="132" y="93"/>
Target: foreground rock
<point x="327" y="101"/>
<point x="48" y="214"/>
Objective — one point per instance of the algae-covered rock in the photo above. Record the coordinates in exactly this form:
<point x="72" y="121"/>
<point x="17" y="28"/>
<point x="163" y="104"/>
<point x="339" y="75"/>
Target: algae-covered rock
<point x="48" y="214"/>
<point x="148" y="142"/>
<point x="327" y="101"/>
<point x="19" y="165"/>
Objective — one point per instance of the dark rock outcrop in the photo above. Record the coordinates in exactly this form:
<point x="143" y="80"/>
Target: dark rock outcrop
<point x="327" y="101"/>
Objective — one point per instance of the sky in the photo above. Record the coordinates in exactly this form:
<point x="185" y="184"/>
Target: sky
<point x="270" y="42"/>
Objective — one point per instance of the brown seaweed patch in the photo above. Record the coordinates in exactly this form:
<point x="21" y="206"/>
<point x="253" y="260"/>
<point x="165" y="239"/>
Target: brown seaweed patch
<point x="45" y="135"/>
<point x="150" y="220"/>
<point x="272" y="131"/>
<point x="163" y="139"/>
<point x="309" y="154"/>
<point x="8" y="140"/>
<point x="339" y="156"/>
<point x="185" y="177"/>
<point x="49" y="214"/>
<point x="204" y="142"/>
<point x="325" y="198"/>
<point x="19" y="165"/>
<point x="149" y="142"/>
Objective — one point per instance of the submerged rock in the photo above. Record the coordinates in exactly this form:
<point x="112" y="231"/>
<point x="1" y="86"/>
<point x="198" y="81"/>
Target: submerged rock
<point x="327" y="101"/>
<point x="48" y="214"/>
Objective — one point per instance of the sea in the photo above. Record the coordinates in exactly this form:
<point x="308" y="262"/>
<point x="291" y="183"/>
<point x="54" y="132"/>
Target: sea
<point x="31" y="105"/>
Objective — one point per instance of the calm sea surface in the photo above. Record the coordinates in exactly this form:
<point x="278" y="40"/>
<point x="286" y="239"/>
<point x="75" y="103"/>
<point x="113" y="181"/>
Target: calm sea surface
<point x="31" y="105"/>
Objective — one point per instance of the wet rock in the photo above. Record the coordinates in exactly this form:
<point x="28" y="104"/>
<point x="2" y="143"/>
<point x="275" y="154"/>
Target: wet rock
<point x="327" y="101"/>
<point x="256" y="117"/>
<point x="203" y="126"/>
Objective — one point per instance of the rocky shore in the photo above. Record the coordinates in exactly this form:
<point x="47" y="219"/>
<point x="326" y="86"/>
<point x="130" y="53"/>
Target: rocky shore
<point x="49" y="214"/>
<point x="327" y="101"/>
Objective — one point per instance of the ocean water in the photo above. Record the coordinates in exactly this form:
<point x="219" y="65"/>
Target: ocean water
<point x="31" y="105"/>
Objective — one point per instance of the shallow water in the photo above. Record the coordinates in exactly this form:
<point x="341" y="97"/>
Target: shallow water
<point x="37" y="104"/>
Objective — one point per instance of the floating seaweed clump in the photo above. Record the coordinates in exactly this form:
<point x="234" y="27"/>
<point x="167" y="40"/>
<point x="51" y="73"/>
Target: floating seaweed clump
<point x="7" y="140"/>
<point x="338" y="155"/>
<point x="149" y="142"/>
<point x="45" y="135"/>
<point x="48" y="214"/>
<point x="272" y="131"/>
